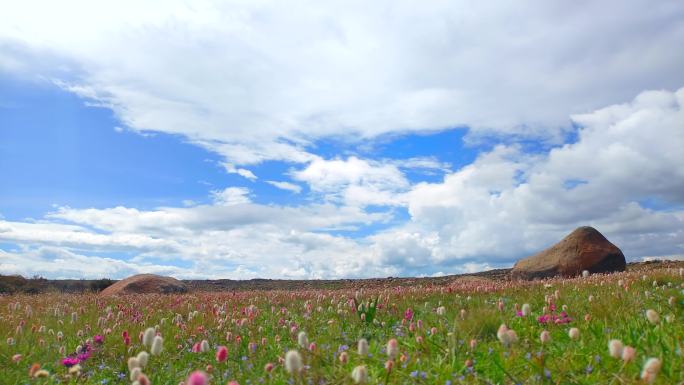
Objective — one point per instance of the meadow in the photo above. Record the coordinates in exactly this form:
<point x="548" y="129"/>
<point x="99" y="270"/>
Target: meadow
<point x="623" y="328"/>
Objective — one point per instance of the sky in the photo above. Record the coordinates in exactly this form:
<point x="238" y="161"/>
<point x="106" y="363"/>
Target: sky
<point x="306" y="139"/>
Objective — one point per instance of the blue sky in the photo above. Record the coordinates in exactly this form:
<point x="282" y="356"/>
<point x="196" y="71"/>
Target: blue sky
<point x="241" y="140"/>
<point x="87" y="158"/>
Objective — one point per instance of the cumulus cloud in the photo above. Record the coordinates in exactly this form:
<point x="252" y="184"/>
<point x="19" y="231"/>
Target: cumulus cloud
<point x="263" y="80"/>
<point x="235" y="241"/>
<point x="509" y="203"/>
<point x="60" y="263"/>
<point x="355" y="181"/>
<point x="622" y="175"/>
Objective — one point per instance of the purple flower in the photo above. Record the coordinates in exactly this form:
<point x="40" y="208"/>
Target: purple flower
<point x="408" y="314"/>
<point x="98" y="339"/>
<point x="70" y="361"/>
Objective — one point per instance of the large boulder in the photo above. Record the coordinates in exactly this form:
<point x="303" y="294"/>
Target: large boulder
<point x="583" y="249"/>
<point x="146" y="283"/>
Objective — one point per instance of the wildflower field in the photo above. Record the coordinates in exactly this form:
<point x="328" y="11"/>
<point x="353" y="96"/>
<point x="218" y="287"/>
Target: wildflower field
<point x="623" y="328"/>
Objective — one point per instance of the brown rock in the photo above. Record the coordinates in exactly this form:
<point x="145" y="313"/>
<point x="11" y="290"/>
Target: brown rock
<point x="583" y="249"/>
<point x="146" y="283"/>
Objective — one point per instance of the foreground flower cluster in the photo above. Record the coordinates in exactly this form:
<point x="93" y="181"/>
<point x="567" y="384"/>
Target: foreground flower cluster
<point x="622" y="328"/>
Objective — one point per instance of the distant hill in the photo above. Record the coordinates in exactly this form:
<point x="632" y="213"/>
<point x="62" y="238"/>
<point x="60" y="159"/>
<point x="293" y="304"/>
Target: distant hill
<point x="14" y="284"/>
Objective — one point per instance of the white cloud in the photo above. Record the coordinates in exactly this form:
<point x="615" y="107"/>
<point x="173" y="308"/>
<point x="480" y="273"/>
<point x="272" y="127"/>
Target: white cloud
<point x="357" y="182"/>
<point x="504" y="205"/>
<point x="262" y="80"/>
<point x="508" y="203"/>
<point x="286" y="186"/>
<point x="209" y="241"/>
<point x="243" y="172"/>
<point x="231" y="196"/>
<point x="59" y="263"/>
<point x="257" y="81"/>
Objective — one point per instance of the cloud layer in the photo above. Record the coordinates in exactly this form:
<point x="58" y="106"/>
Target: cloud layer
<point x="263" y="80"/>
<point x="622" y="174"/>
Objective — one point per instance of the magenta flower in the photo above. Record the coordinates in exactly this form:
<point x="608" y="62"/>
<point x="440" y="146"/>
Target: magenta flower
<point x="83" y="356"/>
<point x="98" y="339"/>
<point x="408" y="314"/>
<point x="70" y="361"/>
<point x="561" y="318"/>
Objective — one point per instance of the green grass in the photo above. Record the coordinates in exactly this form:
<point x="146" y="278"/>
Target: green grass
<point x="334" y="325"/>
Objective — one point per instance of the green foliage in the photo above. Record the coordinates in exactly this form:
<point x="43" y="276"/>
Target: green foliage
<point x="366" y="310"/>
<point x="434" y="346"/>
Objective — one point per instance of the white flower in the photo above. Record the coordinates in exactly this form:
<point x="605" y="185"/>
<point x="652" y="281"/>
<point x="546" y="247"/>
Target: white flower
<point x="360" y="374"/>
<point x="303" y="340"/>
<point x="204" y="346"/>
<point x="652" y="316"/>
<point x="392" y="348"/>
<point x="441" y="310"/>
<point x="293" y="361"/>
<point x="135" y="373"/>
<point x="148" y="337"/>
<point x="133" y="363"/>
<point x="574" y="333"/>
<point x="545" y="337"/>
<point x="615" y="348"/>
<point x="650" y="370"/>
<point x="501" y="332"/>
<point x="506" y="335"/>
<point x="363" y="347"/>
<point x="157" y="345"/>
<point x="142" y="359"/>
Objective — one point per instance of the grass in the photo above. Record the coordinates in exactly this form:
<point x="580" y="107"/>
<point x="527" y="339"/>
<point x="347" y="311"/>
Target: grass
<point x="434" y="348"/>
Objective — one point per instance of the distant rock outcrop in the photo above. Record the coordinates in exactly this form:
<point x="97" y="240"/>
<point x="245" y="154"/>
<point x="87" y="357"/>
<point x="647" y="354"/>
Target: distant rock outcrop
<point x="583" y="249"/>
<point x="146" y="283"/>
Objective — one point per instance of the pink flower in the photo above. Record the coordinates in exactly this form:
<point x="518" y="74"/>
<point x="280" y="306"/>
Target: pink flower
<point x="221" y="354"/>
<point x="98" y="339"/>
<point x="16" y="358"/>
<point x="70" y="361"/>
<point x="197" y="378"/>
<point x="392" y="348"/>
<point x="628" y="353"/>
<point x="408" y="314"/>
<point x="268" y="367"/>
